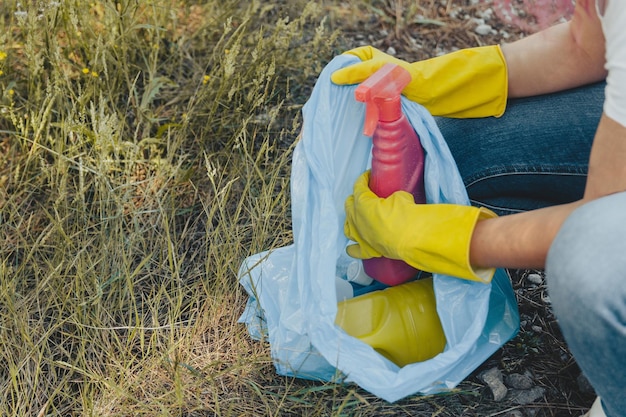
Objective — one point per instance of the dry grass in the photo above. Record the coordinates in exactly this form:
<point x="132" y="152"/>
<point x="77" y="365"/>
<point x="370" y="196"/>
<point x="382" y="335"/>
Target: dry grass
<point x="144" y="152"/>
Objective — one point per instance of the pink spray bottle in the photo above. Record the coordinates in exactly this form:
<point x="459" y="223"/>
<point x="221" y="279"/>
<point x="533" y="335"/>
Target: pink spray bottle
<point x="397" y="156"/>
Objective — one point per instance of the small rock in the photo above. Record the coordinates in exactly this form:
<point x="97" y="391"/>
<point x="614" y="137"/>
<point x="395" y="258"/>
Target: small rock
<point x="391" y="51"/>
<point x="519" y="381"/>
<point x="526" y="396"/>
<point x="483" y="29"/>
<point x="535" y="279"/>
<point x="494" y="380"/>
<point x="486" y="14"/>
<point x="537" y="329"/>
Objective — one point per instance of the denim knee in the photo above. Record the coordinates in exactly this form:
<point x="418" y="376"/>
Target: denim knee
<point x="586" y="266"/>
<point x="586" y="272"/>
<point x="535" y="155"/>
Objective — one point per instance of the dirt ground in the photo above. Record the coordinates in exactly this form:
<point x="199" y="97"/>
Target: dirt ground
<point x="534" y="374"/>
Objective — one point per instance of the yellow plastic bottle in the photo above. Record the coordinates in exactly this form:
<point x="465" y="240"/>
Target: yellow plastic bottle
<point x="400" y="322"/>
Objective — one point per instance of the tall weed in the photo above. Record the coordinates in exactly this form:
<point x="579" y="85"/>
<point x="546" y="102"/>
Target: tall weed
<point x="144" y="151"/>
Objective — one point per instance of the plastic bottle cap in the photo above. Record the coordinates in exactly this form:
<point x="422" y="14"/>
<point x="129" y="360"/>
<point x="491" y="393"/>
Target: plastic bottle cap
<point x="357" y="274"/>
<point x="381" y="95"/>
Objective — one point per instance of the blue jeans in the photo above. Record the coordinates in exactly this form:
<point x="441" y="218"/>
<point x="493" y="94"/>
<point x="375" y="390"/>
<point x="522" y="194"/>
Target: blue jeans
<point x="536" y="155"/>
<point x="586" y="274"/>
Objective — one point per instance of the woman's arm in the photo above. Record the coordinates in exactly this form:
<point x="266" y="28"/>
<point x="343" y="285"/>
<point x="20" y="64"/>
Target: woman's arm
<point x="518" y="240"/>
<point x="564" y="56"/>
<point x="522" y="240"/>
<point x="576" y="52"/>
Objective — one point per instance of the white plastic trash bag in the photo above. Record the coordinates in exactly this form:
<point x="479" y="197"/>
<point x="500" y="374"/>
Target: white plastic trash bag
<point x="292" y="289"/>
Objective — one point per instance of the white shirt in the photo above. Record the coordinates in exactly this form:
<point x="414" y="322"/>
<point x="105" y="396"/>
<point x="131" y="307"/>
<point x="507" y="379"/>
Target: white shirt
<point x="613" y="19"/>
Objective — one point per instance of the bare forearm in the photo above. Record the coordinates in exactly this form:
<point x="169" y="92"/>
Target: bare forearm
<point x="519" y="240"/>
<point x="564" y="56"/>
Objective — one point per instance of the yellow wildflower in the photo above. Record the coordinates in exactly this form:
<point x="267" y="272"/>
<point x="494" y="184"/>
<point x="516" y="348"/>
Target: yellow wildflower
<point x="86" y="71"/>
<point x="3" y="55"/>
<point x="206" y="79"/>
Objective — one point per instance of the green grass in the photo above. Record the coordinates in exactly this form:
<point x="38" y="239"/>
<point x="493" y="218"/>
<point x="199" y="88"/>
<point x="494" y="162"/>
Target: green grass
<point x="144" y="152"/>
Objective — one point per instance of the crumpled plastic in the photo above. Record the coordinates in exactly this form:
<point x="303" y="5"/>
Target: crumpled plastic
<point x="292" y="298"/>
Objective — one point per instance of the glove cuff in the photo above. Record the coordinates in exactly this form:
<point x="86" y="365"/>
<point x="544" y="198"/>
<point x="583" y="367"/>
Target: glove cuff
<point x="480" y="274"/>
<point x="441" y="243"/>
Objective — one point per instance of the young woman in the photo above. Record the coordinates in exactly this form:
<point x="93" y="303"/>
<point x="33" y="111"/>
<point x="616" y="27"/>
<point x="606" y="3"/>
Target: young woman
<point x="551" y="163"/>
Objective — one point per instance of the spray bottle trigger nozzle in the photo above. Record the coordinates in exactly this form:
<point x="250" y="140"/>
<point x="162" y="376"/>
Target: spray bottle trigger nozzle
<point x="371" y="119"/>
<point x="381" y="95"/>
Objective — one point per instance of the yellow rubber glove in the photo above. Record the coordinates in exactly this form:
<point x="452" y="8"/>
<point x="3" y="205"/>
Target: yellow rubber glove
<point x="431" y="237"/>
<point x="468" y="83"/>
